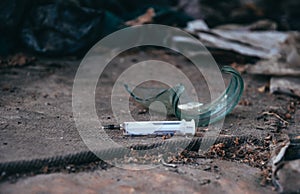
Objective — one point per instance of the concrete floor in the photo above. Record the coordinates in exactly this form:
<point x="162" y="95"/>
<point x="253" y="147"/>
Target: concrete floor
<point x="36" y="121"/>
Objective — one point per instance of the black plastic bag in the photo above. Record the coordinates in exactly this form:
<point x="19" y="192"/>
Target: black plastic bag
<point x="63" y="29"/>
<point x="11" y="14"/>
<point x="68" y="27"/>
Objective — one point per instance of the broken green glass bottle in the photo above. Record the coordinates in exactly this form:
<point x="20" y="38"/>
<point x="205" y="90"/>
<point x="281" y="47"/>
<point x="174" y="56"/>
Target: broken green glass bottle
<point x="203" y="114"/>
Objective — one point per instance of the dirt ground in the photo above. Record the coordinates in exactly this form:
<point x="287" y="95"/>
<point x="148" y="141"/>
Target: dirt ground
<point x="36" y="121"/>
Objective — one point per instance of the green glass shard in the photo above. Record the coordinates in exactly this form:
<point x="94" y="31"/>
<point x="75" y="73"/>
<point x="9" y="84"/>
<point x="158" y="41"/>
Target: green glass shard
<point x="202" y="114"/>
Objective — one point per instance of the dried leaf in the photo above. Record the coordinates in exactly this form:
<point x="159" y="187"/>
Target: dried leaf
<point x="143" y="19"/>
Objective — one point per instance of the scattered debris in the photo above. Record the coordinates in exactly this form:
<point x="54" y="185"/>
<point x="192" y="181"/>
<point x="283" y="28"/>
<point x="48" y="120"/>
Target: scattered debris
<point x="273" y="68"/>
<point x="261" y="25"/>
<point x="284" y="65"/>
<point x="272" y="122"/>
<point x="217" y="150"/>
<point x="252" y="152"/>
<point x="18" y="59"/>
<point x="260" y="44"/>
<point x="278" y="51"/>
<point x="275" y="115"/>
<point x="285" y="85"/>
<point x="283" y="13"/>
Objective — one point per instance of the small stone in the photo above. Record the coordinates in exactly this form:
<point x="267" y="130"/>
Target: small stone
<point x="288" y="116"/>
<point x="204" y="181"/>
<point x="206" y="168"/>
